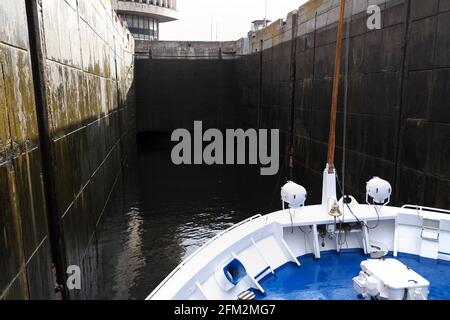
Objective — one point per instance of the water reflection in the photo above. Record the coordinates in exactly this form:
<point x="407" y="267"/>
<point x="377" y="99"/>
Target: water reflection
<point x="163" y="213"/>
<point x="130" y="260"/>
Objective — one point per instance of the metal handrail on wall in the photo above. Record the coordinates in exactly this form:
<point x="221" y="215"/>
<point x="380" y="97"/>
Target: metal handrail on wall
<point x="170" y="276"/>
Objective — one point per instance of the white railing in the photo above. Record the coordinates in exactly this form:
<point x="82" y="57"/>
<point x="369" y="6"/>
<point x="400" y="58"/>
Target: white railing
<point x="170" y="276"/>
<point x="428" y="209"/>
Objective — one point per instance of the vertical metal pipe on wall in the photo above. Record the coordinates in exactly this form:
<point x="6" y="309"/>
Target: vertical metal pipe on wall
<point x="37" y="61"/>
<point x="403" y="97"/>
<point x="293" y="85"/>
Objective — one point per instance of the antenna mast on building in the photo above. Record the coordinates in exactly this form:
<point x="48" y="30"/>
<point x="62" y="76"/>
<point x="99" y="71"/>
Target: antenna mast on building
<point x="212" y="22"/>
<point x="265" y="14"/>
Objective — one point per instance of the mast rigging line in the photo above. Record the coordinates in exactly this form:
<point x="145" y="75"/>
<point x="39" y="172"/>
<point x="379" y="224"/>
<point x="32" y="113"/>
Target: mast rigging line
<point x="344" y="138"/>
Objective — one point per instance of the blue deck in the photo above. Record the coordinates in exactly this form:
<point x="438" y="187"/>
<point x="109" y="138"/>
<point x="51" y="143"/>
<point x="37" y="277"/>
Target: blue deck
<point x="330" y="278"/>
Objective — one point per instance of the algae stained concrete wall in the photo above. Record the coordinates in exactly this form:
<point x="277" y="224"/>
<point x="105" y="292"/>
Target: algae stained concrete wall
<point x="81" y="126"/>
<point x="88" y="59"/>
<point x="25" y="257"/>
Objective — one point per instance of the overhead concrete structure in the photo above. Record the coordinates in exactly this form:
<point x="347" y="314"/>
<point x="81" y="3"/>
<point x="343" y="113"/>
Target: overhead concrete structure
<point x="144" y="16"/>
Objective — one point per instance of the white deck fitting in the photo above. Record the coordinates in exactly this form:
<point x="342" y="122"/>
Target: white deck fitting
<point x="261" y="242"/>
<point x="262" y="256"/>
<point x="390" y="279"/>
<point x="199" y="287"/>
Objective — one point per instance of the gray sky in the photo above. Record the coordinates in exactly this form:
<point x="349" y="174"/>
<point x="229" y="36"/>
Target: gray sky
<point x="231" y="19"/>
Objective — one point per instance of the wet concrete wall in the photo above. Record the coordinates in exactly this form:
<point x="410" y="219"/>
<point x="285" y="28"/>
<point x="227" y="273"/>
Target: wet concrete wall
<point x="265" y="82"/>
<point x="25" y="257"/>
<point x="83" y="69"/>
<point x="425" y="117"/>
<point x="88" y="79"/>
<point x="398" y="84"/>
<point x="173" y="93"/>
